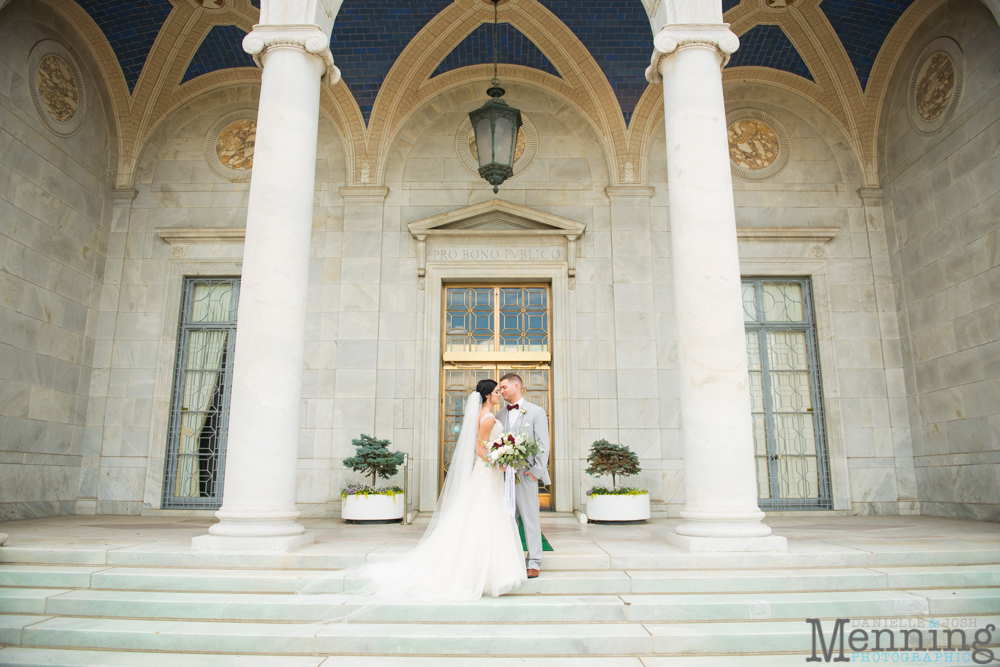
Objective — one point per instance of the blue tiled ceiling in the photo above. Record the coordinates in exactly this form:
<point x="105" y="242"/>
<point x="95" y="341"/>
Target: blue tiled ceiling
<point x="618" y="35"/>
<point x="515" y="49"/>
<point x="768" y="46"/>
<point x="221" y="48"/>
<point x="369" y="35"/>
<point x="131" y="27"/>
<point x="863" y="27"/>
<point x="729" y="4"/>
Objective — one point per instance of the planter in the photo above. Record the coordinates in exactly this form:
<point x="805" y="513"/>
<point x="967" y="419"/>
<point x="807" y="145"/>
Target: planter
<point x="373" y="508"/>
<point x="618" y="509"/>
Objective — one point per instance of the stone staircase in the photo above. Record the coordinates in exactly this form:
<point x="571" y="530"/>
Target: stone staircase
<point x="79" y="607"/>
<point x="63" y="614"/>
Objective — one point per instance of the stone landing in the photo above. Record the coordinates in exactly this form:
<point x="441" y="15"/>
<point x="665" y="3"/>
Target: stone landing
<point x="95" y="590"/>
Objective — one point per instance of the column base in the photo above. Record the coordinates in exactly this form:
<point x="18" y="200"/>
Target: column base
<point x="728" y="544"/>
<point x="278" y="544"/>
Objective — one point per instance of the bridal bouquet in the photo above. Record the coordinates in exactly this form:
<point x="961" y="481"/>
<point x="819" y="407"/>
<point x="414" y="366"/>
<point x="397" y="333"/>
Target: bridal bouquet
<point x="513" y="451"/>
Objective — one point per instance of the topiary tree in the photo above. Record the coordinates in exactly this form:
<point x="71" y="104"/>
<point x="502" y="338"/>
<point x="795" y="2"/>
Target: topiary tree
<point x="372" y="457"/>
<point x="607" y="458"/>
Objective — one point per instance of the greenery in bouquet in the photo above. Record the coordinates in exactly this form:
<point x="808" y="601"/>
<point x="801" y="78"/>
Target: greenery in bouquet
<point x="512" y="451"/>
<point x="359" y="489"/>
<point x="372" y="457"/>
<point x="607" y="458"/>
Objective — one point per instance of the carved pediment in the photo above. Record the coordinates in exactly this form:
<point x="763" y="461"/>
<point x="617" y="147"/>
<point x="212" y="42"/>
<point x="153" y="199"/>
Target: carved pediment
<point x="498" y="218"/>
<point x="496" y="215"/>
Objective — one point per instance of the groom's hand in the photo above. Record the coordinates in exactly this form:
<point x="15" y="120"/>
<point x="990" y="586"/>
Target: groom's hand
<point x="531" y="477"/>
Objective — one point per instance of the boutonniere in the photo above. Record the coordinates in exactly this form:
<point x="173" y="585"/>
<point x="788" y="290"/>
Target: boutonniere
<point x="523" y="411"/>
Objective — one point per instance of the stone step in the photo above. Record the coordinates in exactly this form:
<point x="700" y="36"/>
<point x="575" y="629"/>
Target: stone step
<point x="341" y="638"/>
<point x="770" y="637"/>
<point x="17" y="656"/>
<point x="603" y="553"/>
<point x="322" y="607"/>
<point x="54" y="576"/>
<point x="507" y="609"/>
<point x="440" y="639"/>
<point x="584" y="582"/>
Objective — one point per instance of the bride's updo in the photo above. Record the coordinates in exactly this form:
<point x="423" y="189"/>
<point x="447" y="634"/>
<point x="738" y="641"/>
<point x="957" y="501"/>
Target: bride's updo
<point x="485" y="388"/>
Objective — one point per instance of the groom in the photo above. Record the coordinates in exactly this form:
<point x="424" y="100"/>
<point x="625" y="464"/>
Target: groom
<point x="519" y="416"/>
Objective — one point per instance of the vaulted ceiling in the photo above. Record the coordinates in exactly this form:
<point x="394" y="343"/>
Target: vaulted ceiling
<point x="838" y="53"/>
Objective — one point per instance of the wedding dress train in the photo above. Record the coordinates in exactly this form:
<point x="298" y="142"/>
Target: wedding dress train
<point x="472" y="547"/>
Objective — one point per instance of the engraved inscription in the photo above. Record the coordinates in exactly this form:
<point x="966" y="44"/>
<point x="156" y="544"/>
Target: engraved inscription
<point x="752" y="144"/>
<point x="235" y="144"/>
<point x="935" y="86"/>
<point x="495" y="254"/>
<point x="57" y="88"/>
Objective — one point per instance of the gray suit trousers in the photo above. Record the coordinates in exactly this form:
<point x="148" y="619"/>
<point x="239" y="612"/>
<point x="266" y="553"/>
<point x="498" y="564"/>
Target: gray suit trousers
<point x="526" y="499"/>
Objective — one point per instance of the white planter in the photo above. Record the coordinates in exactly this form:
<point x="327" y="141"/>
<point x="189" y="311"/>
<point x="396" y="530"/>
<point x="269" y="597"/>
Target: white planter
<point x="618" y="509"/>
<point x="373" y="508"/>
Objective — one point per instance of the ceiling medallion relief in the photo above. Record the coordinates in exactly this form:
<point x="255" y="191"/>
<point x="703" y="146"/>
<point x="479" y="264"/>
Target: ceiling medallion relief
<point x="759" y="145"/>
<point x="524" y="151"/>
<point x="229" y="146"/>
<point x="936" y="86"/>
<point x="55" y="85"/>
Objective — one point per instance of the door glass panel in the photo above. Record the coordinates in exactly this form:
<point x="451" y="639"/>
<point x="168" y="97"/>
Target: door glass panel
<point x="785" y="393"/>
<point x="489" y="324"/>
<point x="199" y="415"/>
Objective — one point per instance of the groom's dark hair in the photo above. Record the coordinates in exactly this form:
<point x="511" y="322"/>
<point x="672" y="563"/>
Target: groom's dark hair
<point x="515" y="378"/>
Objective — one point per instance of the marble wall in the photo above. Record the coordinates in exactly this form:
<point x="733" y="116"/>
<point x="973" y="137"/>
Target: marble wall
<point x="55" y="216"/>
<point x="942" y="217"/>
<point x="92" y="292"/>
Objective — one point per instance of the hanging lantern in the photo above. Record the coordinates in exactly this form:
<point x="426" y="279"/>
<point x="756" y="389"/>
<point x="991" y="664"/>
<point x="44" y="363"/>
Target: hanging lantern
<point x="495" y="125"/>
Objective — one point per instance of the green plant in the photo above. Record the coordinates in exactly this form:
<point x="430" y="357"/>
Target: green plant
<point x="355" y="489"/>
<point x="607" y="458"/>
<point x="623" y="491"/>
<point x="372" y="457"/>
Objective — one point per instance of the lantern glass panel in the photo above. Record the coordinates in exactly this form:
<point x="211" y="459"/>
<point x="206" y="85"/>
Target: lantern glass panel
<point x="503" y="142"/>
<point x="484" y="141"/>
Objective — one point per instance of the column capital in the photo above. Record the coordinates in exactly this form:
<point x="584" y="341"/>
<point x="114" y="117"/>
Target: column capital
<point x="307" y="37"/>
<point x="673" y="37"/>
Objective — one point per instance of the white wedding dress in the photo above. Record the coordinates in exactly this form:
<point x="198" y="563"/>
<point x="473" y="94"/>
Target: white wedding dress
<point x="472" y="547"/>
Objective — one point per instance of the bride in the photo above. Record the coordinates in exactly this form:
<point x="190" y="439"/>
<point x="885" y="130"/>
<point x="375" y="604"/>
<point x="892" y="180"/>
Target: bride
<point x="471" y="547"/>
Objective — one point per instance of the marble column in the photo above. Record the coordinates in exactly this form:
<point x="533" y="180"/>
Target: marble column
<point x="258" y="511"/>
<point x="721" y="512"/>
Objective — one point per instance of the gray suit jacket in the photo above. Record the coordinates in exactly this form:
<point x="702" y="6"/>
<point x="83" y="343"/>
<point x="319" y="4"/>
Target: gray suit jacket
<point x="535" y="423"/>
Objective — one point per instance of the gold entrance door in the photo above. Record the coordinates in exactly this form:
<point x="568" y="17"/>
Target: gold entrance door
<point x="490" y="331"/>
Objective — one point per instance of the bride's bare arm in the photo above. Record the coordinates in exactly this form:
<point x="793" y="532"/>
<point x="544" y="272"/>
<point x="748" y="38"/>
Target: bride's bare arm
<point x="484" y="432"/>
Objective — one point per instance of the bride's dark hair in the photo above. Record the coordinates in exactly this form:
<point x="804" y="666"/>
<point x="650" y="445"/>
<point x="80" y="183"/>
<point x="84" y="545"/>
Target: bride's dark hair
<point x="485" y="388"/>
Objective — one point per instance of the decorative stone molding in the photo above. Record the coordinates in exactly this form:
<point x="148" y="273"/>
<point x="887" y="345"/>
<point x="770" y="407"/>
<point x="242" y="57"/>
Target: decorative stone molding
<point x="123" y="198"/>
<point x="758" y="162"/>
<point x="674" y="37"/>
<point x="363" y="194"/>
<point x="222" y="144"/>
<point x="56" y="88"/>
<point x="188" y="235"/>
<point x="870" y="196"/>
<point x="497" y="230"/>
<point x="936" y="85"/>
<point x="634" y="196"/>
<point x="307" y="37"/>
<point x="787" y="234"/>
<point x="463" y="146"/>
